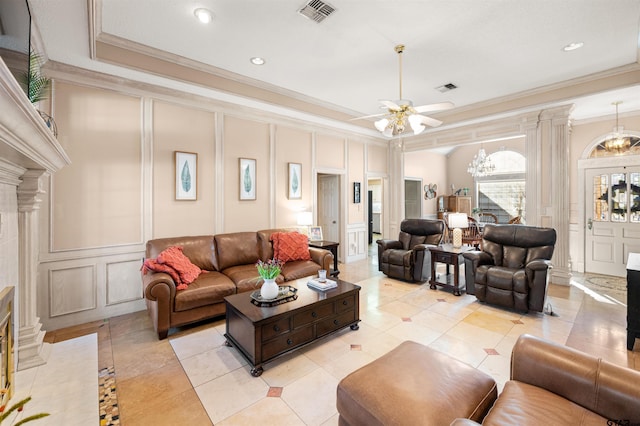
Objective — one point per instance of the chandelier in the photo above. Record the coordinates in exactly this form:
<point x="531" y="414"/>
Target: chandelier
<point x="617" y="143"/>
<point x="481" y="165"/>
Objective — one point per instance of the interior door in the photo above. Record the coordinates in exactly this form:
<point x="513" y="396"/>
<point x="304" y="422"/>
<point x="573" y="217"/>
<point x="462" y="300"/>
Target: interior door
<point x="329" y="206"/>
<point x="612" y="218"/>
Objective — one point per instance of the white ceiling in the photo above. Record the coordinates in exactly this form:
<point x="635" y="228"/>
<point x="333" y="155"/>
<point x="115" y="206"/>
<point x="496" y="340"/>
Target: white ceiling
<point x="488" y="48"/>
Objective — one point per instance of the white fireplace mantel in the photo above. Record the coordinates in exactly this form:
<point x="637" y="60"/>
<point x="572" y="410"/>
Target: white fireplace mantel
<point x="28" y="150"/>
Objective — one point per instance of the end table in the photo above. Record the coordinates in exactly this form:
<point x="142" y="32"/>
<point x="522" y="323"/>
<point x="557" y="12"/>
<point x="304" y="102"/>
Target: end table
<point x="451" y="256"/>
<point x="333" y="248"/>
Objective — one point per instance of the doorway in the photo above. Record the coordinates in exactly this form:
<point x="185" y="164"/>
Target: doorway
<point x="375" y="218"/>
<point x="612" y="213"/>
<point x="413" y="198"/>
<point x="328" y="206"/>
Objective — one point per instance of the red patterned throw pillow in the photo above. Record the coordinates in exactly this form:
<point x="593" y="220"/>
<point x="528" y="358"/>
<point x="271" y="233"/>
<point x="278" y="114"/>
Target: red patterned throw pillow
<point x="153" y="265"/>
<point x="289" y="246"/>
<point x="173" y="257"/>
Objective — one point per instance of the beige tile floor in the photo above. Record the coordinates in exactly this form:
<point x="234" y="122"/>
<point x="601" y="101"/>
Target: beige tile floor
<point x="192" y="378"/>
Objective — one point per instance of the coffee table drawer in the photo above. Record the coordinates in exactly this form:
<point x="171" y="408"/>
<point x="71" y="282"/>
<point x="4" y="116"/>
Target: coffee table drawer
<point x="311" y="315"/>
<point x="286" y="342"/>
<point x="275" y="328"/>
<point x="335" y="323"/>
<point x="345" y="303"/>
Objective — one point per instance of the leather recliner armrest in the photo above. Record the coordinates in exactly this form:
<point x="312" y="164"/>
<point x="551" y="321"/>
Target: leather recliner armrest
<point x="389" y="244"/>
<point x="537" y="272"/>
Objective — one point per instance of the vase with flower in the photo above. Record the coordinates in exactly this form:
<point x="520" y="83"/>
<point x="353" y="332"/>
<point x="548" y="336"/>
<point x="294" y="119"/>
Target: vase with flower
<point x="269" y="271"/>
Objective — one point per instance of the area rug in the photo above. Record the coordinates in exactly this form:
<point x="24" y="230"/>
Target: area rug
<point x="608" y="286"/>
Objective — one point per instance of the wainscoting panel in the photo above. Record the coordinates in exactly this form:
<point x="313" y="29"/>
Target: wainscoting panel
<point x="123" y="282"/>
<point x="72" y="290"/>
<point x="356" y="242"/>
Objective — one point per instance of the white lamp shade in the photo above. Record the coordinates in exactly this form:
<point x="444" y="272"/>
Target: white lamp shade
<point x="305" y="219"/>
<point x="458" y="220"/>
<point x="381" y="124"/>
<point x="415" y="121"/>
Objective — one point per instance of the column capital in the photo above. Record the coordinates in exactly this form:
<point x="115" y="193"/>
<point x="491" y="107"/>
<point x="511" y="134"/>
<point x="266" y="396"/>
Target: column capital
<point x="29" y="190"/>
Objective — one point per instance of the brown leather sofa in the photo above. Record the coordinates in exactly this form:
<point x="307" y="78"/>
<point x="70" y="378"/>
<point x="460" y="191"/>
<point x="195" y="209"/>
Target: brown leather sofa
<point x="550" y="384"/>
<point x="512" y="269"/>
<point x="229" y="261"/>
<point x="408" y="258"/>
<point x="555" y="384"/>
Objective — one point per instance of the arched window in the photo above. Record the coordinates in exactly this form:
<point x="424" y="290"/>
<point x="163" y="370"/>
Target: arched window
<point x="502" y="192"/>
<point x="631" y="146"/>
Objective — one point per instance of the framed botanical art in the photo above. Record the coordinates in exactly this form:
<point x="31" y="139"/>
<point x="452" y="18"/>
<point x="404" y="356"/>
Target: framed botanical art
<point x="295" y="181"/>
<point x="186" y="174"/>
<point x="315" y="233"/>
<point x="247" y="179"/>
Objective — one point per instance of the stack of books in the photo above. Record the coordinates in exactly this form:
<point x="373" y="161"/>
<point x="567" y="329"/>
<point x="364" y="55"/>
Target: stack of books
<point x="326" y="285"/>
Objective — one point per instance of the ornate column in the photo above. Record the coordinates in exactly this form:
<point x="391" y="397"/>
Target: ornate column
<point x="30" y="333"/>
<point x="553" y="184"/>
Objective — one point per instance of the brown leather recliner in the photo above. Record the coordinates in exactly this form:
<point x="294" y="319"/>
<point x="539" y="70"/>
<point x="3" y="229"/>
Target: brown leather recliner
<point x="512" y="270"/>
<point x="409" y="258"/>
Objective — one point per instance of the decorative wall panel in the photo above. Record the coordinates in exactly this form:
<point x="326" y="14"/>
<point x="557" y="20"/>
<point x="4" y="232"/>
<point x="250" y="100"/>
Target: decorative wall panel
<point x="123" y="282"/>
<point x="72" y="290"/>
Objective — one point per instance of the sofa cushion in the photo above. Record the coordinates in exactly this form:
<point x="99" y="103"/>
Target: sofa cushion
<point x="199" y="249"/>
<point x="211" y="287"/>
<point x="288" y="246"/>
<point x="299" y="269"/>
<point x="397" y="257"/>
<point x="237" y="248"/>
<point x="524" y="404"/>
<point x="246" y="278"/>
<point x="175" y="258"/>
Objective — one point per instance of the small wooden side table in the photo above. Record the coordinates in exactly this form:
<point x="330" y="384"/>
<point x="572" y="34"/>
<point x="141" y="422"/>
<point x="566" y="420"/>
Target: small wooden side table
<point x="333" y="248"/>
<point x="451" y="256"/>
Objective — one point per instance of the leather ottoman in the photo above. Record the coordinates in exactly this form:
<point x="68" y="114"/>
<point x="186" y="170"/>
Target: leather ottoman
<point x="414" y="385"/>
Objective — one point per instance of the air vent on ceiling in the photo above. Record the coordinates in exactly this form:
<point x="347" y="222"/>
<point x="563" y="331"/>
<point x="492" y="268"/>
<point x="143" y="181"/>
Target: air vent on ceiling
<point x="446" y="87"/>
<point x="317" y="10"/>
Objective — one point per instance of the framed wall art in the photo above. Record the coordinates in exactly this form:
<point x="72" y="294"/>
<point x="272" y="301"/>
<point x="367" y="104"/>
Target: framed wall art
<point x="247" y="179"/>
<point x="186" y="174"/>
<point x="356" y="192"/>
<point x="295" y="181"/>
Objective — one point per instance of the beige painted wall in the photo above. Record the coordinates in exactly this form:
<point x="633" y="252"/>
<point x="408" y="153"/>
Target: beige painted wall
<point x="377" y="159"/>
<point x="330" y="152"/>
<point x="356" y="174"/>
<point x="431" y="168"/>
<point x="97" y="199"/>
<point x="179" y="128"/>
<point x="292" y="146"/>
<point x="246" y="139"/>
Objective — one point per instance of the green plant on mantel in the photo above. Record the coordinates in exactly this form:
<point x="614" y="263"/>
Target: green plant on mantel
<point x="19" y="406"/>
<point x="35" y="83"/>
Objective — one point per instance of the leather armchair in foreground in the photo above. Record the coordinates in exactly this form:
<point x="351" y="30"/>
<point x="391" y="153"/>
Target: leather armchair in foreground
<point x="512" y="270"/>
<point x="409" y="258"/>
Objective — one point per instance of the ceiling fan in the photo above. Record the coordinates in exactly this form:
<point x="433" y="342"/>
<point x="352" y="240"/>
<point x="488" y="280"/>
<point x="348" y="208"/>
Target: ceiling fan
<point x="402" y="111"/>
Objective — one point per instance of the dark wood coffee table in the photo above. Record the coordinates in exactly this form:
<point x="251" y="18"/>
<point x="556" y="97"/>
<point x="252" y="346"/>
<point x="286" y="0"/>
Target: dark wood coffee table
<point x="263" y="334"/>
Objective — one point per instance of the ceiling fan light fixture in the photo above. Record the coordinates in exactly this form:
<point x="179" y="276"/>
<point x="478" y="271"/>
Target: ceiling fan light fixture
<point x="381" y="124"/>
<point x="416" y="124"/>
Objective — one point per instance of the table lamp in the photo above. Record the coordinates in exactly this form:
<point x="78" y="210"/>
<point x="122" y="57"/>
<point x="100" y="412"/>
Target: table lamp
<point x="456" y="222"/>
<point x="305" y="219"/>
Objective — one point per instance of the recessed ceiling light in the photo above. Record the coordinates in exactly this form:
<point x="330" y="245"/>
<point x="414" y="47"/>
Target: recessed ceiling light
<point x="256" y="60"/>
<point x="573" y="46"/>
<point x="204" y="15"/>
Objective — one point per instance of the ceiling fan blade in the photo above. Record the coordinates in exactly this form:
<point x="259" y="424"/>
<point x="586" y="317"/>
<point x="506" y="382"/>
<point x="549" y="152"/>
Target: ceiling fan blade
<point x="434" y="107"/>
<point x="432" y="122"/>
<point x="391" y="105"/>
<point x="369" y="116"/>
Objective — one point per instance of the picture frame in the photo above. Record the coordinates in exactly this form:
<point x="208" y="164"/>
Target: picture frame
<point x="186" y="175"/>
<point x="315" y="233"/>
<point x="247" y="179"/>
<point x="294" y="182"/>
<point x="356" y="192"/>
